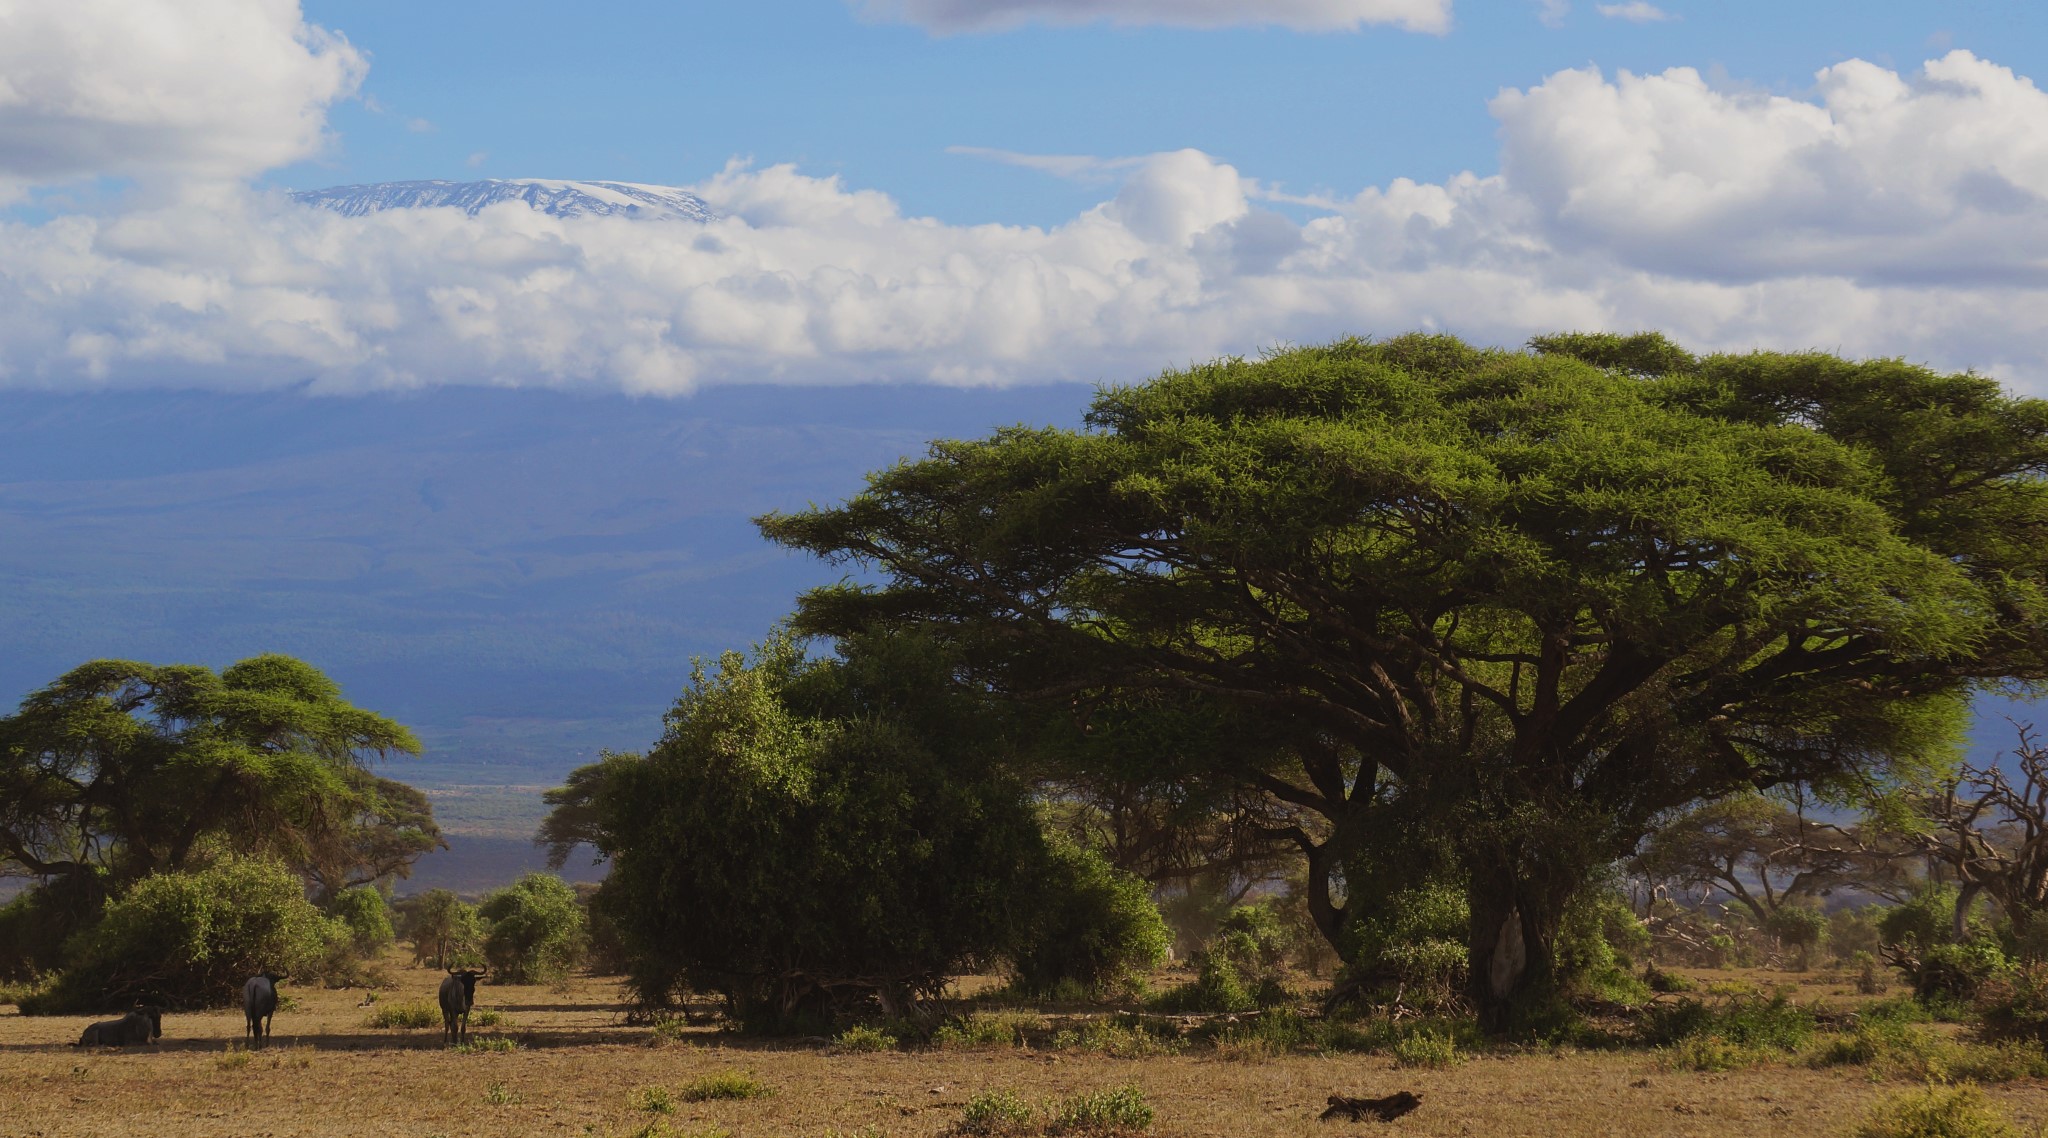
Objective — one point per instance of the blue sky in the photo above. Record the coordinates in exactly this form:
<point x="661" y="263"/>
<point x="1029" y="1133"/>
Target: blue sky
<point x="667" y="92"/>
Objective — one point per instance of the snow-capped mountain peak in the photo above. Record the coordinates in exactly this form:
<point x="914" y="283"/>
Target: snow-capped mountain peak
<point x="555" y="198"/>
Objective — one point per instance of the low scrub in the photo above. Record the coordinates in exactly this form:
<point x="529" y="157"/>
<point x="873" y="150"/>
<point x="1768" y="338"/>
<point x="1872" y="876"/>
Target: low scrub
<point x="862" y="1038"/>
<point x="485" y="1044"/>
<point x="725" y="1085"/>
<point x="409" y="1015"/>
<point x="1936" y="1112"/>
<point x="1432" y="1050"/>
<point x="990" y="1029"/>
<point x="1133" y="1039"/>
<point x="1114" y="1113"/>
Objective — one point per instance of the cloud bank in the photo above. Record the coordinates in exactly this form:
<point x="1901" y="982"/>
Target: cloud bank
<point x="146" y="89"/>
<point x="1301" y="15"/>
<point x="1887" y="214"/>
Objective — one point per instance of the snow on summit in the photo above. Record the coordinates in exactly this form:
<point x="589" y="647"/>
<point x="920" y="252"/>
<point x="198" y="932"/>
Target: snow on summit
<point x="555" y="198"/>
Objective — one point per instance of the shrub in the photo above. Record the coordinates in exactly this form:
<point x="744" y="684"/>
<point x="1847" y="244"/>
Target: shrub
<point x="189" y="940"/>
<point x="1216" y="988"/>
<point x="1433" y="1050"/>
<point x="536" y="930"/>
<point x="725" y="1085"/>
<point x="368" y="918"/>
<point x="1117" y="1040"/>
<point x="2014" y="1004"/>
<point x="1745" y="1021"/>
<point x="994" y="1114"/>
<point x="1936" y="1112"/>
<point x="864" y="1038"/>
<point x="1853" y="931"/>
<point x="656" y="1100"/>
<point x="1106" y="1113"/>
<point x="1093" y="927"/>
<point x="484" y="1044"/>
<point x="410" y="1015"/>
<point x="1415" y="941"/>
<point x="1799" y="928"/>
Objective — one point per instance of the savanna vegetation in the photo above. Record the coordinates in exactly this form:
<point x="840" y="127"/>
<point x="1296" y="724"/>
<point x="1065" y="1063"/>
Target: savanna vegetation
<point x="1377" y="704"/>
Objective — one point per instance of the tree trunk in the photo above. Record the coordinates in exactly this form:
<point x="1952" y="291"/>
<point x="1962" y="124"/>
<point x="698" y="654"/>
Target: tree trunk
<point x="1512" y="941"/>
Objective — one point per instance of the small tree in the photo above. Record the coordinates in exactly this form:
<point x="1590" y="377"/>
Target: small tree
<point x="811" y="834"/>
<point x="368" y="917"/>
<point x="443" y="928"/>
<point x="537" y="930"/>
<point x="1093" y="927"/>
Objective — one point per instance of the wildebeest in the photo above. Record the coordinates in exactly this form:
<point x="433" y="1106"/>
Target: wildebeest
<point x="458" y="995"/>
<point x="143" y="1025"/>
<point x="259" y="1004"/>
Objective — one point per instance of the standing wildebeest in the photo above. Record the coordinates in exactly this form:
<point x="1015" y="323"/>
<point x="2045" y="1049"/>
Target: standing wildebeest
<point x="259" y="1004"/>
<point x="458" y="995"/>
<point x="143" y="1025"/>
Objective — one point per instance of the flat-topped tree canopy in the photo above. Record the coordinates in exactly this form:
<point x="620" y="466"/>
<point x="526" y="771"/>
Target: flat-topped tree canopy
<point x="1543" y="596"/>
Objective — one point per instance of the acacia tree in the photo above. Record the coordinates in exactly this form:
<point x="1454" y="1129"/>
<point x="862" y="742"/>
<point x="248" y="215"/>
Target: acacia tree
<point x="1989" y="828"/>
<point x="1766" y="855"/>
<point x="121" y="769"/>
<point x="1526" y="602"/>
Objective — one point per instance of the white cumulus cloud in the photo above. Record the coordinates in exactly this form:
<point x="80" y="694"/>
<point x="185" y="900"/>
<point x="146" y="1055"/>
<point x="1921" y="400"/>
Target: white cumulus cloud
<point x="1302" y="15"/>
<point x="1886" y="213"/>
<point x="213" y="89"/>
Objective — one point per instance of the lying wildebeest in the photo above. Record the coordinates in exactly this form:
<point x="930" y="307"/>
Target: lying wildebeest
<point x="143" y="1025"/>
<point x="458" y="995"/>
<point x="259" y="1004"/>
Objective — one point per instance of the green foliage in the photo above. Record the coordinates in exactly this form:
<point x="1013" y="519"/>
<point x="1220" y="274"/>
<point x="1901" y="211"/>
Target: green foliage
<point x="411" y="1015"/>
<point x="1216" y="988"/>
<point x="810" y="828"/>
<point x="536" y="930"/>
<point x="1853" y="931"/>
<point x="443" y="929"/>
<point x="1922" y="922"/>
<point x="1432" y="1050"/>
<point x="990" y="1029"/>
<point x="864" y="1038"/>
<point x="485" y="1044"/>
<point x="1121" y="1038"/>
<point x="1936" y="1112"/>
<point x="1798" y="927"/>
<point x="1414" y="941"/>
<point x="35" y="923"/>
<point x="1739" y="1032"/>
<point x="1120" y="1111"/>
<point x="1598" y="943"/>
<point x="2014" y="1004"/>
<point x="189" y="940"/>
<point x="1092" y="927"/>
<point x="368" y="918"/>
<point x="725" y="1085"/>
<point x="656" y="1100"/>
<point x="996" y="1114"/>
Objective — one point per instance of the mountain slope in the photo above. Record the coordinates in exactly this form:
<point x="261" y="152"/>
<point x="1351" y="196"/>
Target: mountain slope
<point x="554" y="198"/>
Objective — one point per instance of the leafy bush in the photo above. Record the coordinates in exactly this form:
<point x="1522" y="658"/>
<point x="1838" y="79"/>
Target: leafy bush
<point x="481" y="1044"/>
<point x="1598" y="943"/>
<point x="1853" y="931"/>
<point x="1433" y="1050"/>
<point x="1799" y="928"/>
<point x="1936" y="1112"/>
<point x="996" y="1114"/>
<point x="189" y="940"/>
<point x="656" y="1100"/>
<point x="1094" y="927"/>
<point x="864" y="1038"/>
<point x="368" y="918"/>
<point x="536" y="930"/>
<point x="725" y="1085"/>
<point x="2014" y="1004"/>
<point x="1415" y="941"/>
<point x="1216" y="988"/>
<point x="1104" y="1113"/>
<point x="1749" y="1021"/>
<point x="411" y="1015"/>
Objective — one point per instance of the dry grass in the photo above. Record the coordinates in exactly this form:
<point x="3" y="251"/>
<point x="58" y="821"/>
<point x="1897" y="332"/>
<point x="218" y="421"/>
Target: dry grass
<point x="579" y="1070"/>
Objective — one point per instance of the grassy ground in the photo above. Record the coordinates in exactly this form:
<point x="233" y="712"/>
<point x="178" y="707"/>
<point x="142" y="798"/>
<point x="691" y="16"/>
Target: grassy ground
<point x="578" y="1069"/>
